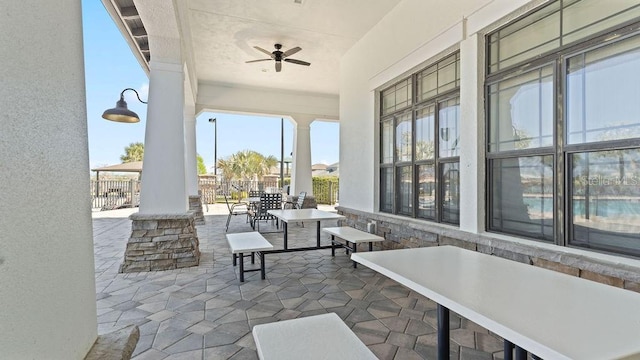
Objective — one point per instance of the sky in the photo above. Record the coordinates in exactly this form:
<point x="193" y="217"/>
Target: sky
<point x="111" y="67"/>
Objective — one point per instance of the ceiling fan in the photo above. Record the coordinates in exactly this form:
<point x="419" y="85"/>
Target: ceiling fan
<point x="278" y="56"/>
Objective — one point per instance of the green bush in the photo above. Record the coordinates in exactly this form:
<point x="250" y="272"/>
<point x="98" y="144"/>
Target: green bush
<point x="325" y="189"/>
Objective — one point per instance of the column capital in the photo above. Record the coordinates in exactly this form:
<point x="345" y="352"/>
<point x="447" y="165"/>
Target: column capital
<point x="302" y="120"/>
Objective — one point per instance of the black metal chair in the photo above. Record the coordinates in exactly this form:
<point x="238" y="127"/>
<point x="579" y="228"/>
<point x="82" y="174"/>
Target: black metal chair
<point x="240" y="208"/>
<point x="267" y="202"/>
<point x="300" y="202"/>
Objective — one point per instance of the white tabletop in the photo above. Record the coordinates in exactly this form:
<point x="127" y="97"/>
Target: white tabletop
<point x="352" y="235"/>
<point x="550" y="314"/>
<point x="293" y="215"/>
<point x="318" y="337"/>
<point x="248" y="242"/>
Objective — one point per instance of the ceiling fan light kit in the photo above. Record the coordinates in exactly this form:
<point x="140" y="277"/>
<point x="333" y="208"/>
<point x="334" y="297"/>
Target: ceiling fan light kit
<point x="278" y="56"/>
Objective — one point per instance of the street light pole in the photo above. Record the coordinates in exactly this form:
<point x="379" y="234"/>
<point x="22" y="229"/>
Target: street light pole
<point x="215" y="147"/>
<point x="281" y="153"/>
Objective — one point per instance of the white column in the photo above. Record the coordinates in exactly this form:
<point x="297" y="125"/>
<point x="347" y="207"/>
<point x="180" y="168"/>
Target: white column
<point x="472" y="139"/>
<point x="164" y="189"/>
<point x="47" y="280"/>
<point x="301" y="172"/>
<point x="190" y="150"/>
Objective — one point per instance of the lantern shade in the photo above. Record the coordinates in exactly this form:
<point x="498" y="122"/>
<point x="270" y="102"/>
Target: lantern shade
<point x="121" y="112"/>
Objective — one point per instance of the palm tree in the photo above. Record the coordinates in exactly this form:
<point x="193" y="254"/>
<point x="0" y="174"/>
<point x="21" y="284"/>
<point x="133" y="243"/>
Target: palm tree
<point x="133" y="152"/>
<point x="246" y="165"/>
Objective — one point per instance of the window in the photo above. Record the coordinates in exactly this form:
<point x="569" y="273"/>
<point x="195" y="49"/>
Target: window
<point x="419" y="144"/>
<point x="563" y="126"/>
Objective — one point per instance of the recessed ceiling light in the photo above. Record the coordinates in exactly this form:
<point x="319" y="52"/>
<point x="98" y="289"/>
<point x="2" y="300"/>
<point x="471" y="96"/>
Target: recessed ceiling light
<point x="297" y="1"/>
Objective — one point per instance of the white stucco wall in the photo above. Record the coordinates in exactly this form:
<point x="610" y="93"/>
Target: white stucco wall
<point x="410" y="35"/>
<point x="47" y="286"/>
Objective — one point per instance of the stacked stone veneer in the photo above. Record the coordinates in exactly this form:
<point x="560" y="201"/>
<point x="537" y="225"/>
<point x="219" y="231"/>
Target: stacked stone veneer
<point x="161" y="242"/>
<point x="401" y="232"/>
<point x="195" y="206"/>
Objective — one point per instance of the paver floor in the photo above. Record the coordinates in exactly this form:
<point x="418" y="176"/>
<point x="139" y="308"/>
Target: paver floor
<point x="204" y="312"/>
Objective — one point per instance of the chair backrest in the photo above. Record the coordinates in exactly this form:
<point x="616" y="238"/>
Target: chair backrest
<point x="301" y="197"/>
<point x="255" y="193"/>
<point x="270" y="202"/>
<point x="226" y="199"/>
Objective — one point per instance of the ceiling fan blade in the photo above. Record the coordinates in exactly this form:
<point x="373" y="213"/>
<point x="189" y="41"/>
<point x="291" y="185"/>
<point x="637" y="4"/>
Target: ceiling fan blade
<point x="291" y="51"/>
<point x="264" y="51"/>
<point x="278" y="66"/>
<point x="298" y="62"/>
<point x="252" y="61"/>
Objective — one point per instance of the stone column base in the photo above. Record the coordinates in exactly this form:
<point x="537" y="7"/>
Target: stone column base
<point x="195" y="205"/>
<point x="161" y="242"/>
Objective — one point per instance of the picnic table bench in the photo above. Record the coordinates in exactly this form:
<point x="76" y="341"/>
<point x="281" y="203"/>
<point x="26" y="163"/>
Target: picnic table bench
<point x="316" y="337"/>
<point x="248" y="244"/>
<point x="350" y="235"/>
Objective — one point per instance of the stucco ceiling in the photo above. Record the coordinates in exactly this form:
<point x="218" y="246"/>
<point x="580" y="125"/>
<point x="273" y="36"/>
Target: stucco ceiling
<point x="222" y="34"/>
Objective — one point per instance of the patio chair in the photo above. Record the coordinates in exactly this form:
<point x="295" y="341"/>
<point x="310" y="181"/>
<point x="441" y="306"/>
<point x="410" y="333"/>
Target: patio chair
<point x="300" y="202"/>
<point x="267" y="202"/>
<point x="240" y="208"/>
<point x="255" y="193"/>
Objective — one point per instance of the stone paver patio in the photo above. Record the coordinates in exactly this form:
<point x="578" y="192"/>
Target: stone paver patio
<point x="205" y="312"/>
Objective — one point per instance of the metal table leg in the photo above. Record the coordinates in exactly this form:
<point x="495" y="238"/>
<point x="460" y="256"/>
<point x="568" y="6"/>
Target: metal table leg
<point x="241" y="255"/>
<point x="443" y="333"/>
<point x="286" y="238"/>
<point x="508" y="350"/>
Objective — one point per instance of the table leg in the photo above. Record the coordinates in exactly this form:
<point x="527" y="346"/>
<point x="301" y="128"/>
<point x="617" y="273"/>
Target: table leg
<point x="370" y="245"/>
<point x="521" y="354"/>
<point x="443" y="333"/>
<point x="241" y="255"/>
<point x="333" y="247"/>
<point x="253" y="257"/>
<point x="262" y="266"/>
<point x="318" y="235"/>
<point x="284" y="228"/>
<point x="235" y="261"/>
<point x="355" y="250"/>
<point x="508" y="350"/>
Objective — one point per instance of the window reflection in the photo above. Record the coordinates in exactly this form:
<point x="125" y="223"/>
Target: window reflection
<point x="605" y="199"/>
<point x="451" y="193"/>
<point x="425" y="145"/>
<point x="522" y="111"/>
<point x="405" y="190"/>
<point x="426" y="192"/>
<point x="448" y="129"/>
<point x="603" y="92"/>
<point x="404" y="142"/>
<point x="386" y="189"/>
<point x="522" y="196"/>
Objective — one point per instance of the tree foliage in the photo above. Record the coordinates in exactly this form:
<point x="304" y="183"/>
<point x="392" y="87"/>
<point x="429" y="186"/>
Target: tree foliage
<point x="202" y="169"/>
<point x="133" y="152"/>
<point x="246" y="165"/>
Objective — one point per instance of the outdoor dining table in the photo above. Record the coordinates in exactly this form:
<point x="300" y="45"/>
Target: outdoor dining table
<point x="550" y="314"/>
<point x="299" y="215"/>
<point x="251" y="200"/>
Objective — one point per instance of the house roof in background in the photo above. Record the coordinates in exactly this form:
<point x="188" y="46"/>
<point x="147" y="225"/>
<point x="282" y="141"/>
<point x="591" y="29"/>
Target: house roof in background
<point x="134" y="166"/>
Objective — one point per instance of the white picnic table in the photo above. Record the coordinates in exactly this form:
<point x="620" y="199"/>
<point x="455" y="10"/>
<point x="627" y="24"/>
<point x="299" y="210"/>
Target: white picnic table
<point x="299" y="215"/>
<point x="547" y="313"/>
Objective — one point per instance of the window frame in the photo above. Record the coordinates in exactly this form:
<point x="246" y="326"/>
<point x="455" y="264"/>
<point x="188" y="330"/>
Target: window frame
<point x="436" y="161"/>
<point x="561" y="150"/>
